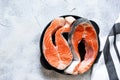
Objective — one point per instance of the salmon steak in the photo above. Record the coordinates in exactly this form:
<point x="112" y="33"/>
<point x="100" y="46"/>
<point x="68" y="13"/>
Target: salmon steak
<point x="69" y="44"/>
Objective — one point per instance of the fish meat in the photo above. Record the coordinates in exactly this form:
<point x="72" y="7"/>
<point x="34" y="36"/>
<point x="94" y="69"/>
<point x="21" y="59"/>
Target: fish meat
<point x="70" y="44"/>
<point x="58" y="54"/>
<point x="82" y="32"/>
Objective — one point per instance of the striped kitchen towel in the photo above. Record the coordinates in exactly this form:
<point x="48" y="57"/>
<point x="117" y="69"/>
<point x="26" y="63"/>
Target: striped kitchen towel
<point x="107" y="67"/>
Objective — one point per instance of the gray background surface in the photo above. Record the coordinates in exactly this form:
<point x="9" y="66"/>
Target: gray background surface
<point x="21" y="25"/>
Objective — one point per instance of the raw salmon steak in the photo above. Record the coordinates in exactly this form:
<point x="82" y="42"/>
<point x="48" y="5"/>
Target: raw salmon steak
<point x="58" y="53"/>
<point x="70" y="45"/>
<point x="84" y="46"/>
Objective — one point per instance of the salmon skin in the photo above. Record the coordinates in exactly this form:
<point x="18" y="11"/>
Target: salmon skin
<point x="61" y="41"/>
